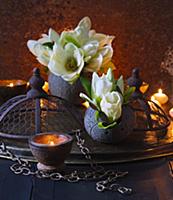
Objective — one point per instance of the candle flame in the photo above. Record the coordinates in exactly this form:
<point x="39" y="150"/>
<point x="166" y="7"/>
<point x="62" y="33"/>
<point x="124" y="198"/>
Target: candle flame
<point x="86" y="104"/>
<point x="51" y="142"/>
<point x="160" y="91"/>
<point x="144" y="87"/>
<point x="11" y="85"/>
<point x="46" y="86"/>
<point x="42" y="103"/>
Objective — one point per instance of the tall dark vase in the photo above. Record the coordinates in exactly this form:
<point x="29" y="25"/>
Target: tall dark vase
<point x="59" y="87"/>
<point x="111" y="135"/>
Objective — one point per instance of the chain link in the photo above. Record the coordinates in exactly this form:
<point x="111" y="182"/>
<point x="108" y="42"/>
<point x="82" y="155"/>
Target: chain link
<point x="106" y="179"/>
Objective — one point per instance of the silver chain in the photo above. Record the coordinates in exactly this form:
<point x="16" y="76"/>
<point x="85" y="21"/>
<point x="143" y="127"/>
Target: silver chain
<point x="106" y="179"/>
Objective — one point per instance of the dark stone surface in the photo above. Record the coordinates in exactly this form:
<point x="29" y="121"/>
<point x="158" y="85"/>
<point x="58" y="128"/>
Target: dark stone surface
<point x="143" y="31"/>
<point x="59" y="87"/>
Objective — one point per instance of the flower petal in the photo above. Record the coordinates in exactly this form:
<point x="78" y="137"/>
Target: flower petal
<point x="57" y="61"/>
<point x="53" y="35"/>
<point x="94" y="64"/>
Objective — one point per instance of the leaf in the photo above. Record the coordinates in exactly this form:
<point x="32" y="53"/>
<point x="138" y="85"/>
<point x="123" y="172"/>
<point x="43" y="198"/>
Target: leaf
<point x="128" y="93"/>
<point x="48" y="44"/>
<point x="86" y="84"/>
<point x="110" y="75"/>
<point x="101" y="125"/>
<point x="120" y="84"/>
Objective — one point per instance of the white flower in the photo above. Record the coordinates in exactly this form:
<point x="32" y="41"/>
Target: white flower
<point x="66" y="62"/>
<point x="96" y="46"/>
<point x="42" y="52"/>
<point x="41" y="48"/>
<point x="79" y="36"/>
<point x="111" y="105"/>
<point x="100" y="86"/>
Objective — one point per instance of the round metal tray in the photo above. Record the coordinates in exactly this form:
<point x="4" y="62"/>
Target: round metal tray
<point x="138" y="146"/>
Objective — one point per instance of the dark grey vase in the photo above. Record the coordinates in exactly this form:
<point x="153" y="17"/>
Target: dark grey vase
<point x="59" y="87"/>
<point x="112" y="135"/>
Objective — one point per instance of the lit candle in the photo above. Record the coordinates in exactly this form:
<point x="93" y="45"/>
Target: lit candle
<point x="155" y="101"/>
<point x="11" y="85"/>
<point x="11" y="88"/>
<point x="46" y="86"/>
<point x="160" y="97"/>
<point x="51" y="139"/>
<point x="171" y="112"/>
<point x="51" y="142"/>
<point x="144" y="87"/>
<point x="50" y="150"/>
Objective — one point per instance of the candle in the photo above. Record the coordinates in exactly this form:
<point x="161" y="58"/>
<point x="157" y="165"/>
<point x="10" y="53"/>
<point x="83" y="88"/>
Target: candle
<point x="155" y="101"/>
<point x="11" y="85"/>
<point x="144" y="87"/>
<point x="11" y="88"/>
<point x="51" y="139"/>
<point x="171" y="112"/>
<point x="160" y="97"/>
<point x="46" y="87"/>
<point x="50" y="149"/>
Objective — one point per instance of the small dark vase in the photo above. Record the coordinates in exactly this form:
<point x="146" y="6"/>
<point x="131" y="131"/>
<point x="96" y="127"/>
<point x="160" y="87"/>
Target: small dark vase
<point x="112" y="135"/>
<point x="61" y="88"/>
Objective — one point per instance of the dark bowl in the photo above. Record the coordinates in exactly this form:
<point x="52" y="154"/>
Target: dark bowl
<point x="7" y="92"/>
<point x="51" y="155"/>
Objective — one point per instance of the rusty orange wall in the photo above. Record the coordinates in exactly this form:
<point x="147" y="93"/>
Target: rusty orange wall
<point x="143" y="29"/>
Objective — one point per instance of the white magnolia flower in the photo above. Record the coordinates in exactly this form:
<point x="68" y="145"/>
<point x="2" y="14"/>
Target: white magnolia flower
<point x="100" y="86"/>
<point x="111" y="105"/>
<point x="91" y="50"/>
<point x="41" y="48"/>
<point x="43" y="53"/>
<point x="66" y="62"/>
<point x="96" y="46"/>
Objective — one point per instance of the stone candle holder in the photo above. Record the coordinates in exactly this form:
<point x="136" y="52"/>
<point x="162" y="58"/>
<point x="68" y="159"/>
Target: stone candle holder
<point x="51" y="150"/>
<point x="11" y="88"/>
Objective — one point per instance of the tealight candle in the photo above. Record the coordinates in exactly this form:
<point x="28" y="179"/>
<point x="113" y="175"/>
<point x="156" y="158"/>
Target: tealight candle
<point x="155" y="101"/>
<point x="46" y="86"/>
<point x="11" y="88"/>
<point x="144" y="87"/>
<point x="50" y="149"/>
<point x="160" y="97"/>
<point x="50" y="139"/>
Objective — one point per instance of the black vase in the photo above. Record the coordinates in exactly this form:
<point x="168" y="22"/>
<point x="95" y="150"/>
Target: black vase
<point x="111" y="135"/>
<point x="61" y="88"/>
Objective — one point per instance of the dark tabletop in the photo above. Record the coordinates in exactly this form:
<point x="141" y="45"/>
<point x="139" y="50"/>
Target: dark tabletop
<point x="150" y="180"/>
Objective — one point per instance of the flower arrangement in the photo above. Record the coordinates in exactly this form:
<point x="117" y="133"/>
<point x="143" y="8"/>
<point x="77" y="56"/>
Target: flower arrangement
<point x="70" y="53"/>
<point x="107" y="96"/>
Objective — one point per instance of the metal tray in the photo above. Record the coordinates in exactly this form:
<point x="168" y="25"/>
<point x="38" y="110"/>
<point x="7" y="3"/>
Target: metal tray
<point x="138" y="146"/>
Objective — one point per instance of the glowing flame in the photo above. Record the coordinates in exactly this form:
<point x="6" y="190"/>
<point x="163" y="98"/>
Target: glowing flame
<point x="86" y="104"/>
<point x="46" y="86"/>
<point x="42" y="103"/>
<point x="160" y="91"/>
<point x="51" y="142"/>
<point x="11" y="85"/>
<point x="144" y="87"/>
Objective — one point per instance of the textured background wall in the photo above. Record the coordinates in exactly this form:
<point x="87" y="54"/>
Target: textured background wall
<point x="143" y="29"/>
